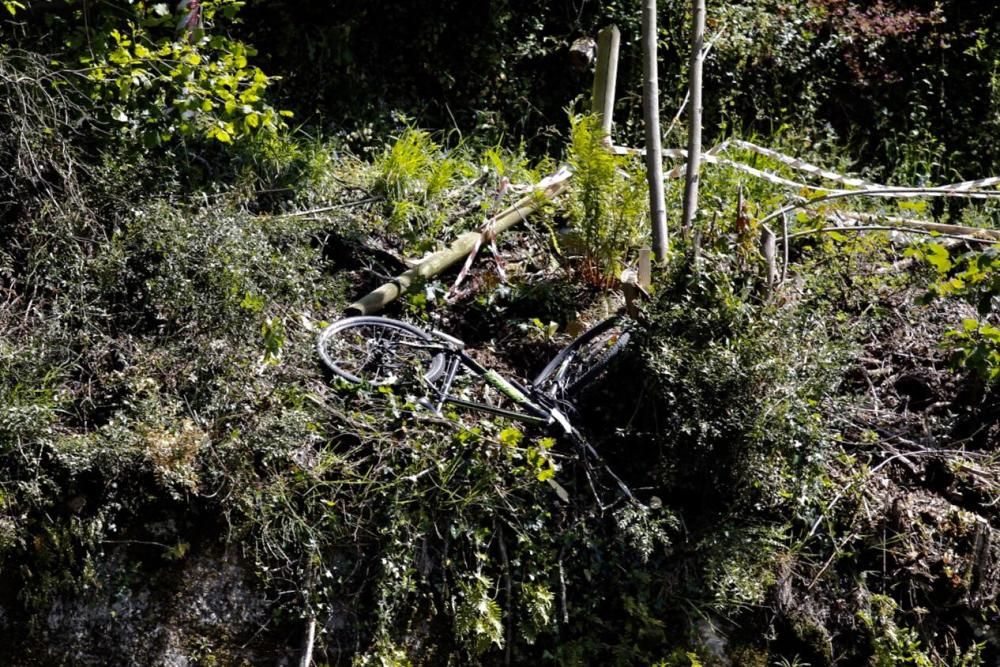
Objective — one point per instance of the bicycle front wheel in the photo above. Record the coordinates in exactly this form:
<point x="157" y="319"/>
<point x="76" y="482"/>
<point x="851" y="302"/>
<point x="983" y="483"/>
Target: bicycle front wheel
<point x="379" y="351"/>
<point x="584" y="360"/>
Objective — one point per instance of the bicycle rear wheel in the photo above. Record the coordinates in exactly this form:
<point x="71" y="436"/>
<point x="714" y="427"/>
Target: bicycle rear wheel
<point x="379" y="351"/>
<point x="584" y="360"/>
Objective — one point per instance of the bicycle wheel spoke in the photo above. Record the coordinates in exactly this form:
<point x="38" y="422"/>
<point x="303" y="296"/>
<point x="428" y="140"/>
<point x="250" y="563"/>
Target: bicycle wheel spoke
<point x="379" y="351"/>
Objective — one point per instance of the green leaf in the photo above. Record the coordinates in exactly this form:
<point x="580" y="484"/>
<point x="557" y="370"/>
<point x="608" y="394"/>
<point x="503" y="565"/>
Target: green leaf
<point x="938" y="257"/>
<point x="511" y="437"/>
<point x="914" y="206"/>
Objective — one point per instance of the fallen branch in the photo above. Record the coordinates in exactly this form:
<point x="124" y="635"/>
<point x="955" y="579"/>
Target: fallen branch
<point x="958" y="230"/>
<point x="887" y="228"/>
<point x="549" y="188"/>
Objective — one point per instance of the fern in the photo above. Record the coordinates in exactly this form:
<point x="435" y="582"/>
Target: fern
<point x="479" y="619"/>
<point x="538" y="603"/>
<point x="607" y="208"/>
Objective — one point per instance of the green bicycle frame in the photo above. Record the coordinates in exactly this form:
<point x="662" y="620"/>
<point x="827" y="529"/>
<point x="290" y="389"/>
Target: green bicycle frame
<point x="534" y="413"/>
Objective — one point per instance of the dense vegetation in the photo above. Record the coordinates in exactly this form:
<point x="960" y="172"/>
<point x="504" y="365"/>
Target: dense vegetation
<point x="187" y="196"/>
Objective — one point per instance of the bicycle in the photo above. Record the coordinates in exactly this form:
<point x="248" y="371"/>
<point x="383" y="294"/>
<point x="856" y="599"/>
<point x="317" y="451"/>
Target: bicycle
<point x="379" y="351"/>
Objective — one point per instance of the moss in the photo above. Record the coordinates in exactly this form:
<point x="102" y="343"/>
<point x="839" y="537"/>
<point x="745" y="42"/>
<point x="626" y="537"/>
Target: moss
<point x="749" y="656"/>
<point x="813" y="638"/>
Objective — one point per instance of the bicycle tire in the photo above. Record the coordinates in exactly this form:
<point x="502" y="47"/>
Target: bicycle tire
<point x="584" y="360"/>
<point x="376" y="350"/>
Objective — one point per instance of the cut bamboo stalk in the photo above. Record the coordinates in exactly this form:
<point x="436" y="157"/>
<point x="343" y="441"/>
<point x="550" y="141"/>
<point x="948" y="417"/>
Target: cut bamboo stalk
<point x="307" y="643"/>
<point x="605" y="78"/>
<point x="645" y="268"/>
<point x="651" y="107"/>
<point x="694" y="116"/>
<point x="768" y="243"/>
<point x="582" y="52"/>
<point x="431" y="266"/>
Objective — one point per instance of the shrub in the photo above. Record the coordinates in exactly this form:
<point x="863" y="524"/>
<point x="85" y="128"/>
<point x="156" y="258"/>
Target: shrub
<point x="973" y="277"/>
<point x="732" y="389"/>
<point x="146" y="77"/>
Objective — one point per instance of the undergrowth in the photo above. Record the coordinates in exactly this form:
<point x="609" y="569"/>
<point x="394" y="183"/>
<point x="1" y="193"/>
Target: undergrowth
<point x="161" y="400"/>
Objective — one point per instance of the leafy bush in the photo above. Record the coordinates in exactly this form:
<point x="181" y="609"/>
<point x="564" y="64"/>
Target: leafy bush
<point x="430" y="192"/>
<point x="414" y="174"/>
<point x="732" y="390"/>
<point x="975" y="278"/>
<point x="155" y="82"/>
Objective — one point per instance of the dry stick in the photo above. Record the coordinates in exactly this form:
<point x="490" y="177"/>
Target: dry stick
<point x="307" y="643"/>
<point x="767" y="242"/>
<point x="509" y="593"/>
<point x="431" y="266"/>
<point x="694" y="129"/>
<point x="687" y="94"/>
<point x="651" y="105"/>
<point x="602" y="101"/>
<point x="562" y="589"/>
<point x="784" y="241"/>
<point x="901" y="193"/>
<point x="328" y="209"/>
<point x="887" y="228"/>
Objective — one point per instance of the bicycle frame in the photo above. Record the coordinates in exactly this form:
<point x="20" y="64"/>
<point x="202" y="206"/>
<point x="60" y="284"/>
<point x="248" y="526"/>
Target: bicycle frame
<point x="447" y="358"/>
<point x="537" y="408"/>
<point x="541" y="408"/>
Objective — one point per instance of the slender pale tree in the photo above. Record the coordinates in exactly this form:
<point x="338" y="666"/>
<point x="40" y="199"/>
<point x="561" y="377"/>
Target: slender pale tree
<point x="651" y="106"/>
<point x="694" y="116"/>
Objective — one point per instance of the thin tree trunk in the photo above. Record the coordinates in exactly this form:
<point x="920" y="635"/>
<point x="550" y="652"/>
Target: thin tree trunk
<point x="651" y="106"/>
<point x="307" y="643"/>
<point x="694" y="117"/>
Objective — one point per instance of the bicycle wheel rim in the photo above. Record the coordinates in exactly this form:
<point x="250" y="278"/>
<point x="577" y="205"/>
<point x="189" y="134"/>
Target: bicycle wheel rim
<point x="379" y="351"/>
<point x="591" y="368"/>
<point x="582" y="360"/>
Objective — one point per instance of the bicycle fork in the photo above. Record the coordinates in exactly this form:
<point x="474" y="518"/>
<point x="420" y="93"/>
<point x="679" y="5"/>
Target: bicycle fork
<point x="453" y="364"/>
